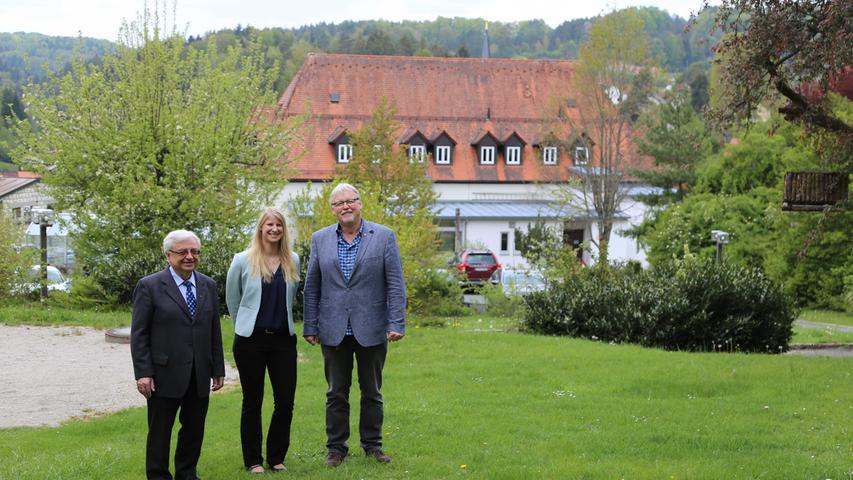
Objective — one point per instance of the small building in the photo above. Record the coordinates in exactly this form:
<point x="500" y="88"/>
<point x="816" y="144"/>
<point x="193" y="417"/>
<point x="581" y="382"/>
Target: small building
<point x="20" y="192"/>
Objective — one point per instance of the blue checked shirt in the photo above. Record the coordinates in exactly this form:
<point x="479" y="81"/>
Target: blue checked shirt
<point x="346" y="256"/>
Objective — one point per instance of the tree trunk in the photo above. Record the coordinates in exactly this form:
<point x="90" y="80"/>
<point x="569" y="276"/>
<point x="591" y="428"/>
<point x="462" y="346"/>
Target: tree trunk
<point x="604" y="229"/>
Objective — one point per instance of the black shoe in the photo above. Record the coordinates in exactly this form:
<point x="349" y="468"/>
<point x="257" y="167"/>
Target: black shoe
<point x="379" y="455"/>
<point x="333" y="459"/>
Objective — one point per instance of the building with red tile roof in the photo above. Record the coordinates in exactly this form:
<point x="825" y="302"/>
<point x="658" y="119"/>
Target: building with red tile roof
<point x="491" y="129"/>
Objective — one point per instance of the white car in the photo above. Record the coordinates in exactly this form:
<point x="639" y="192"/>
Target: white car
<point x="56" y="282"/>
<point x="521" y="282"/>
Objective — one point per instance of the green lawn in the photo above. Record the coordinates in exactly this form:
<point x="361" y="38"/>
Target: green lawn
<point x="811" y="335"/>
<point x="477" y="399"/>
<point x="827" y="316"/>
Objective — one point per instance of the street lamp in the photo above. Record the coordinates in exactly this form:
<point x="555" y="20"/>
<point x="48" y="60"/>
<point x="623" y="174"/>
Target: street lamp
<point x="44" y="218"/>
<point x="721" y="238"/>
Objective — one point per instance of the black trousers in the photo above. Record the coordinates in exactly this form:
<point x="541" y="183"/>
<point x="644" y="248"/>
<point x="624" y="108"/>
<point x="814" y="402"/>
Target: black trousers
<point x="161" y="419"/>
<point x="338" y="366"/>
<point x="255" y="355"/>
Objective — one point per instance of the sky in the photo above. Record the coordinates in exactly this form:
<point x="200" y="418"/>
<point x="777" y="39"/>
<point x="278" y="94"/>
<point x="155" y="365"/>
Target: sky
<point x="102" y="18"/>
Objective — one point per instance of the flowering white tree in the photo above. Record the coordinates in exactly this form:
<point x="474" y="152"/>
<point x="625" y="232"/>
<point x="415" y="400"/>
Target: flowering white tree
<point x="160" y="136"/>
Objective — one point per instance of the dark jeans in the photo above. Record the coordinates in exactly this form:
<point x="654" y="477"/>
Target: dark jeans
<point x="255" y="356"/>
<point x="161" y="419"/>
<point x="338" y="366"/>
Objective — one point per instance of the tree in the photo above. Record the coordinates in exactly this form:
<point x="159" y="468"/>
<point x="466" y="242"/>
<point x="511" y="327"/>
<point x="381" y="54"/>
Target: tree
<point x="161" y="136"/>
<point x="677" y="140"/>
<point x="609" y="61"/>
<point x="14" y="262"/>
<point x="790" y="52"/>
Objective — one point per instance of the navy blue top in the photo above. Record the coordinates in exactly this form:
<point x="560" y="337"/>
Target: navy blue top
<point x="272" y="314"/>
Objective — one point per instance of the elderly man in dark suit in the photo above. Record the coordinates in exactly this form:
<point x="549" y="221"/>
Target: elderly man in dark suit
<point x="176" y="346"/>
<point x="354" y="303"/>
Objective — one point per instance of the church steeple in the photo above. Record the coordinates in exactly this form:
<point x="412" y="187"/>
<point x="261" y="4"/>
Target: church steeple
<point x="486" y="41"/>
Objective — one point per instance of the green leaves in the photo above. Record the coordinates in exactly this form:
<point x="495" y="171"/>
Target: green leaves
<point x="160" y="136"/>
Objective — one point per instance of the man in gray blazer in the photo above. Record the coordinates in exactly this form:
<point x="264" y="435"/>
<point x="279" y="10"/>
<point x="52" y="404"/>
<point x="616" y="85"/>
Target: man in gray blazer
<point x="354" y="303"/>
<point x="176" y="347"/>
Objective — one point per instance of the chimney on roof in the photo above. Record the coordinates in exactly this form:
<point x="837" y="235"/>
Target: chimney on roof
<point x="486" y="41"/>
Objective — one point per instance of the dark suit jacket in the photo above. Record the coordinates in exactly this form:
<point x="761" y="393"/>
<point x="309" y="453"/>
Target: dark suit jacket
<point x="374" y="299"/>
<point x="165" y="341"/>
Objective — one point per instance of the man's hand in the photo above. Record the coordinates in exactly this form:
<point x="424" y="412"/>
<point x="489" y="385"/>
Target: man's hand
<point x="394" y="336"/>
<point x="145" y="385"/>
<point x="312" y="339"/>
<point x="218" y="382"/>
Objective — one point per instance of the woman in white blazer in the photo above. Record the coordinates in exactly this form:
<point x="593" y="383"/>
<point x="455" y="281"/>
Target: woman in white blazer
<point x="259" y="291"/>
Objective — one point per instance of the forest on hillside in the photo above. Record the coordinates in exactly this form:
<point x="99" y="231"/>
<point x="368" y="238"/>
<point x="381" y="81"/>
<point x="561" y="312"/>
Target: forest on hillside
<point x="28" y="57"/>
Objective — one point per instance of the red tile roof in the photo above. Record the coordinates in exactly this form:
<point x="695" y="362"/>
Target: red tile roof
<point x="467" y="98"/>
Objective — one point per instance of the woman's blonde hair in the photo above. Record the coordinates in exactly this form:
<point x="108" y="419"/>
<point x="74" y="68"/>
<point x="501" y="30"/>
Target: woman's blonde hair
<point x="256" y="249"/>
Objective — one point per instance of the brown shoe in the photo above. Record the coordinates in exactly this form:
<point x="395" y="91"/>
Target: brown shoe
<point x="333" y="459"/>
<point x="379" y="455"/>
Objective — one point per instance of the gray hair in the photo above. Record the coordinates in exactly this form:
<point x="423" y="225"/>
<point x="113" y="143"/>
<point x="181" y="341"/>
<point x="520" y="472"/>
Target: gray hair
<point x="178" y="236"/>
<point x="340" y="188"/>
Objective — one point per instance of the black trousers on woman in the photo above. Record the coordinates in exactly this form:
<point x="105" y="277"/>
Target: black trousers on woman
<point x="275" y="353"/>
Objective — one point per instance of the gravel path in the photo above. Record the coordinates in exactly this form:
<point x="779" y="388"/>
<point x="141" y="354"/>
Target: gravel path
<point x="52" y="374"/>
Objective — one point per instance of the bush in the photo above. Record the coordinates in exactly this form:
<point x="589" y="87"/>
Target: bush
<point x="434" y="292"/>
<point x="499" y="303"/>
<point x="685" y="304"/>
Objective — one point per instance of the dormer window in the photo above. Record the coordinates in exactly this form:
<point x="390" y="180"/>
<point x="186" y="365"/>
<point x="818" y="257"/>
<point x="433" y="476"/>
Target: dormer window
<point x="487" y="155"/>
<point x="417" y="153"/>
<point x="513" y="155"/>
<point x="486" y="145"/>
<point x="442" y="147"/>
<point x="513" y="149"/>
<point x="549" y="155"/>
<point x="442" y="155"/>
<point x="344" y="152"/>
<point x="341" y="145"/>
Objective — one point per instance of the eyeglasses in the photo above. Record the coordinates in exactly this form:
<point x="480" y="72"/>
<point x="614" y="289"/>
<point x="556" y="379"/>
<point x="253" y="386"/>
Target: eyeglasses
<point x="348" y="203"/>
<point x="183" y="253"/>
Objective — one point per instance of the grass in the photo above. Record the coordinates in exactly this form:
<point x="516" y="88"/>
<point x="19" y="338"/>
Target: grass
<point x="811" y="335"/>
<point x="827" y="316"/>
<point x="36" y="314"/>
<point x="475" y="399"/>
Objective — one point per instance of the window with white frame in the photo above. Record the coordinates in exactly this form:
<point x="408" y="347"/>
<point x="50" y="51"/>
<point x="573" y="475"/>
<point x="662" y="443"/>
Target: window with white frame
<point x="487" y="155"/>
<point x="581" y="154"/>
<point x="344" y="152"/>
<point x="417" y="153"/>
<point x="442" y="155"/>
<point x="513" y="155"/>
<point x="549" y="155"/>
<point x="504" y="241"/>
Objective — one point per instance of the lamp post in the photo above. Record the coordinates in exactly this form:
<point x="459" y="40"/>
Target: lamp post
<point x="721" y="238"/>
<point x="44" y="218"/>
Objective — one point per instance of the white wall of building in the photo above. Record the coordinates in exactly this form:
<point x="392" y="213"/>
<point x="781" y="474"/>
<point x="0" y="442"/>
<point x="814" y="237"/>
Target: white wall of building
<point x="487" y="233"/>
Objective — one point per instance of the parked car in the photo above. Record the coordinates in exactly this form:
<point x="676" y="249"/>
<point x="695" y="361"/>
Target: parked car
<point x="55" y="280"/>
<point x="521" y="282"/>
<point x="477" y="266"/>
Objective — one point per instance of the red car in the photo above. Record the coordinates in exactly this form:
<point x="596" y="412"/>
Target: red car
<point x="476" y="266"/>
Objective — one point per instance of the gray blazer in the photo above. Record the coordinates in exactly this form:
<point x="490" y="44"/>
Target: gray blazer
<point x="374" y="300"/>
<point x="243" y="295"/>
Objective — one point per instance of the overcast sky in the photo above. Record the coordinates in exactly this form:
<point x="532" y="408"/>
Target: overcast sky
<point x="102" y="18"/>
